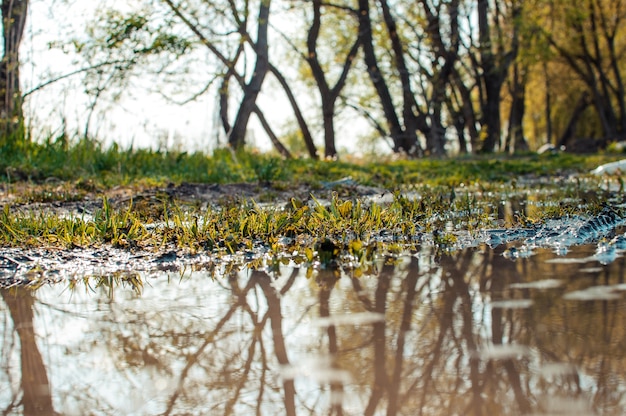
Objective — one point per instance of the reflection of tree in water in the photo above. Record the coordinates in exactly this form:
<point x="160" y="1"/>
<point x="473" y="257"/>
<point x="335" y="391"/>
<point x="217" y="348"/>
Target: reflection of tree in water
<point x="36" y="395"/>
<point x="227" y="368"/>
<point x="441" y="349"/>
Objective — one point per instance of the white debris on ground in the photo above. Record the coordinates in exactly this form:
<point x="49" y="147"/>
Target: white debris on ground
<point x="611" y="168"/>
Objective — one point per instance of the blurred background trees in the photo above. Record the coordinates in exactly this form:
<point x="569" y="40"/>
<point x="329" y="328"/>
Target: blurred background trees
<point x="420" y="78"/>
<point x="14" y="14"/>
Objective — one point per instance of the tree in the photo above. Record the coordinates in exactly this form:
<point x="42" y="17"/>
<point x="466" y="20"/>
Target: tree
<point x="586" y="37"/>
<point x="252" y="88"/>
<point x="14" y="14"/>
<point x="166" y="40"/>
<point x="403" y="134"/>
<point x="428" y="68"/>
<point x="494" y="58"/>
<point x="444" y="50"/>
<point x="236" y="137"/>
<point x="328" y="94"/>
<point x="515" y="140"/>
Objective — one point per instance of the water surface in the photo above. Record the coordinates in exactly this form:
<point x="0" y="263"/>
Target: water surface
<point x="472" y="332"/>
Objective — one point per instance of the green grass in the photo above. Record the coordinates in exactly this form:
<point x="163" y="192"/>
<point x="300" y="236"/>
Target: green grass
<point x="463" y="193"/>
<point x="88" y="161"/>
<point x="351" y="225"/>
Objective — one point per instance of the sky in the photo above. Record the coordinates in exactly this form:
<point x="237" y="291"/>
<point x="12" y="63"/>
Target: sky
<point x="141" y="118"/>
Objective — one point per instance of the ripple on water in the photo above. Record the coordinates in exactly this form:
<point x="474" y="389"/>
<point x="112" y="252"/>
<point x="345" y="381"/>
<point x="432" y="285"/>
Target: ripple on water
<point x="502" y="352"/>
<point x="319" y="369"/>
<point x="594" y="293"/>
<point x="362" y="318"/>
<point x="512" y="304"/>
<point x="539" y="284"/>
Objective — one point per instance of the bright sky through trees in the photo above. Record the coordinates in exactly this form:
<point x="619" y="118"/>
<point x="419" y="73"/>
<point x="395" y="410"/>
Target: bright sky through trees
<point x="141" y="117"/>
<point x="427" y="78"/>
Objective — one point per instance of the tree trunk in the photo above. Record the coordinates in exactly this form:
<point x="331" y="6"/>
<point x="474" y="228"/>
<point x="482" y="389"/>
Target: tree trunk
<point x="494" y="69"/>
<point x="459" y="125"/>
<point x="581" y="105"/>
<point x="237" y="136"/>
<point x="223" y="103"/>
<point x="515" y="138"/>
<point x="442" y="74"/>
<point x="436" y="138"/>
<point x="491" y="116"/>
<point x="400" y="137"/>
<point x="328" y="118"/>
<point x="408" y="142"/>
<point x="328" y="95"/>
<point x="548" y="109"/>
<point x="14" y="14"/>
<point x="467" y="111"/>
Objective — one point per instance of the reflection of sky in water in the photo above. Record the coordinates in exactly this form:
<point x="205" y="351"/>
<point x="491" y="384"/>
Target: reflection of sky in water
<point x="472" y="313"/>
<point x="84" y="363"/>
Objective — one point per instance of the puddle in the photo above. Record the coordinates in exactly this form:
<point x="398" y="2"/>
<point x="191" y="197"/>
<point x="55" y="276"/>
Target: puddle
<point x="469" y="332"/>
<point x="524" y="320"/>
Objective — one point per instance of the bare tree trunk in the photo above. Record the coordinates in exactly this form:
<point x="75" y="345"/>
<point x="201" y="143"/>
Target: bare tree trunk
<point x="405" y="140"/>
<point x="14" y="14"/>
<point x="223" y="103"/>
<point x="515" y="138"/>
<point x="237" y="136"/>
<point x="548" y="110"/>
<point x="328" y="95"/>
<point x="446" y="51"/>
<point x="224" y="91"/>
<point x="436" y="137"/>
<point x="467" y="111"/>
<point x="581" y="105"/>
<point x="412" y="122"/>
<point x="490" y="105"/>
<point x="494" y="70"/>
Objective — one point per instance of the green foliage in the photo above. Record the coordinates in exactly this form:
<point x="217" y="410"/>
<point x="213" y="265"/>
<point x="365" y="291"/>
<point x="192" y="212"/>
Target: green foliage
<point x="88" y="160"/>
<point x="135" y="33"/>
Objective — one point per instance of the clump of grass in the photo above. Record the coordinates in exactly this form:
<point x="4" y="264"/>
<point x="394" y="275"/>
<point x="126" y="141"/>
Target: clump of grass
<point x="353" y="228"/>
<point x="40" y="229"/>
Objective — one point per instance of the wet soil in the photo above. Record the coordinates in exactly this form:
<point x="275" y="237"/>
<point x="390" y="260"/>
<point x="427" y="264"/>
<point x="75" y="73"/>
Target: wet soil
<point x="85" y="198"/>
<point x="35" y="266"/>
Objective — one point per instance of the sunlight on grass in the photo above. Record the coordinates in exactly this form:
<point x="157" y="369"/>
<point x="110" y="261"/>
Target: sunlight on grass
<point x="88" y="160"/>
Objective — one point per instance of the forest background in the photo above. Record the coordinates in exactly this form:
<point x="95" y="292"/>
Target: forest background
<point x="419" y="78"/>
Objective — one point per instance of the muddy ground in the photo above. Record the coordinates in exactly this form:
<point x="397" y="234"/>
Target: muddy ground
<point x="81" y="198"/>
<point x="35" y="266"/>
